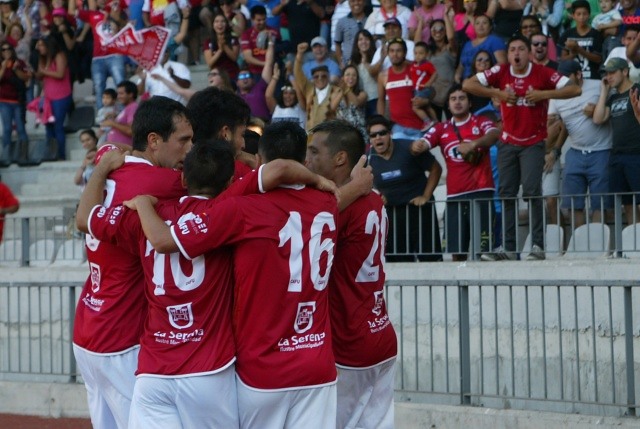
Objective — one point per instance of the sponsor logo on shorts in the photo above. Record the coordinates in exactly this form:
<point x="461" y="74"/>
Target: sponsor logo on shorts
<point x="180" y="316"/>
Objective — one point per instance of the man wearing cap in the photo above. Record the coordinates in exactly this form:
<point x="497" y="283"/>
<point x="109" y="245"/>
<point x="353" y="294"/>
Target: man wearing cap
<point x="320" y="58"/>
<point x="253" y="91"/>
<point x="624" y="161"/>
<point x="586" y="163"/>
<point x="388" y="9"/>
<point x="524" y="89"/>
<point x="392" y="30"/>
<point x="317" y="92"/>
<point x="396" y="85"/>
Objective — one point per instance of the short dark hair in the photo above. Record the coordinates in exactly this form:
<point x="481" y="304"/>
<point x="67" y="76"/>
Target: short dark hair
<point x="454" y="88"/>
<point x="214" y="109"/>
<point x="156" y="115"/>
<point x="283" y="140"/>
<point x="129" y="88"/>
<point x="258" y="10"/>
<point x="631" y="27"/>
<point x="398" y="40"/>
<point x="342" y="136"/>
<point x="209" y="166"/>
<point x="422" y="45"/>
<point x="90" y="132"/>
<point x="379" y="120"/>
<point x="519" y="37"/>
<point x="580" y="4"/>
<point x="110" y="92"/>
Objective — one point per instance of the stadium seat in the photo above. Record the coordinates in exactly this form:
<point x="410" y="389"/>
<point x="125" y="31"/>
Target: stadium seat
<point x="589" y="241"/>
<point x="80" y="118"/>
<point x="631" y="241"/>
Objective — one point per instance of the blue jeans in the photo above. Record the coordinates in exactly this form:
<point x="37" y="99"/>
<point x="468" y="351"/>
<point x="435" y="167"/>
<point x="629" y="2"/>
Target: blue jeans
<point x="11" y="113"/>
<point x="101" y="69"/>
<point x="398" y="132"/>
<point x="60" y="109"/>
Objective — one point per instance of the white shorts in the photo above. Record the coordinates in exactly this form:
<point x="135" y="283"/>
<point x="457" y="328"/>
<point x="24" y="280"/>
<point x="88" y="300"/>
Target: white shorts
<point x="365" y="396"/>
<point x="312" y="408"/>
<point x="203" y="402"/>
<point x="109" y="380"/>
<point x="551" y="181"/>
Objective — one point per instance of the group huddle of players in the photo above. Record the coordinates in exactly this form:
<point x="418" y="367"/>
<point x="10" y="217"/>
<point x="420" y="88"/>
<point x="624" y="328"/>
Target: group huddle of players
<point x="257" y="304"/>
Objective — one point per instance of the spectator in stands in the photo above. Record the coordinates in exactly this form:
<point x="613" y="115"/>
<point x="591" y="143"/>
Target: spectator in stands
<point x="108" y="110"/>
<point x="419" y="24"/>
<point x="388" y="9"/>
<point x="583" y="41"/>
<point x="8" y="14"/>
<point x="396" y="85"/>
<point x="481" y="62"/>
<point x="317" y="93"/>
<point x="222" y="50"/>
<point x="464" y="141"/>
<point x="364" y="48"/>
<point x="624" y="161"/>
<point x="506" y="16"/>
<point x="423" y="75"/>
<point x="14" y="74"/>
<point x="321" y="58"/>
<point x="347" y="30"/>
<point x="286" y="106"/>
<point x="443" y="51"/>
<point x="89" y="142"/>
<point x="521" y="148"/>
<point x="530" y="25"/>
<point x="586" y="164"/>
<point x="463" y="22"/>
<point x="105" y="21"/>
<point x="349" y="100"/>
<point x="608" y="23"/>
<point x="392" y="31"/>
<point x="303" y="18"/>
<point x="628" y="39"/>
<point x="629" y="12"/>
<point x="254" y="41"/>
<point x="34" y="11"/>
<point x="407" y="192"/>
<point x="273" y="20"/>
<point x="21" y="39"/>
<point x="540" y="50"/>
<point x="253" y="90"/>
<point x="175" y="71"/>
<point x="484" y="40"/>
<point x="234" y="16"/>
<point x="217" y="78"/>
<point x="56" y="89"/>
<point x="8" y="204"/>
<point x="120" y="133"/>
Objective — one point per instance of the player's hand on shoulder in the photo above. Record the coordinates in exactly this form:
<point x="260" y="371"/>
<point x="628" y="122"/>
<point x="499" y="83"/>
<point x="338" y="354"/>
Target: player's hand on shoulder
<point x="112" y="160"/>
<point x="140" y="200"/>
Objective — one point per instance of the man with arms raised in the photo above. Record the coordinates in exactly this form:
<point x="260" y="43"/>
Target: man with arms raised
<point x="364" y="342"/>
<point x="111" y="310"/>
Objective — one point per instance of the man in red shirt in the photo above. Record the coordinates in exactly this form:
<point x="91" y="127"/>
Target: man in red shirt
<point x="111" y="310"/>
<point x="8" y="204"/>
<point x="364" y="342"/>
<point x="254" y="40"/>
<point x="464" y="141"/>
<point x="524" y="89"/>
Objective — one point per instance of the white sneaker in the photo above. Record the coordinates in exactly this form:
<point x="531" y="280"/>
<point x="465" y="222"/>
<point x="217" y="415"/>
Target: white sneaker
<point x="536" y="254"/>
<point x="499" y="255"/>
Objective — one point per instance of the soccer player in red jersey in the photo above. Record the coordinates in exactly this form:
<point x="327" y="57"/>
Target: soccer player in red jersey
<point x="464" y="141"/>
<point x="524" y="89"/>
<point x="283" y="251"/>
<point x="111" y="310"/>
<point x="364" y="341"/>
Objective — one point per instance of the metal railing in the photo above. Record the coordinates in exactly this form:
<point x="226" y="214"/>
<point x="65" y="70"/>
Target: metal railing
<point x="566" y="347"/>
<point x="420" y="234"/>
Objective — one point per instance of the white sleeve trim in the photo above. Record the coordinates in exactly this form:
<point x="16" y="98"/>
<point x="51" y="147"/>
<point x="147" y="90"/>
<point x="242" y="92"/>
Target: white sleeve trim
<point x="482" y="79"/>
<point x="96" y="207"/>
<point x="562" y="82"/>
<point x="260" y="184"/>
<point x="175" y="239"/>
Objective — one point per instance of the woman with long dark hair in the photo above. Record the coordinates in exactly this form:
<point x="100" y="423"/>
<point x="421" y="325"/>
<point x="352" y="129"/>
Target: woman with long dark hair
<point x="348" y="102"/>
<point x="56" y="88"/>
<point x="481" y="61"/>
<point x="222" y="49"/>
<point x="364" y="47"/>
<point x="13" y="76"/>
<point x="443" y="52"/>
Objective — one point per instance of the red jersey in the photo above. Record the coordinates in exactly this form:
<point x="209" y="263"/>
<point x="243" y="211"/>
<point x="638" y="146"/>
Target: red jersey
<point x="240" y="169"/>
<point x="463" y="177"/>
<point x="362" y="332"/>
<point x="523" y="124"/>
<point x="102" y="28"/>
<point x="284" y="242"/>
<point x="248" y="41"/>
<point x="111" y="310"/>
<point x="399" y="90"/>
<point x="7" y="199"/>
<point x="421" y="73"/>
<point x="188" y="326"/>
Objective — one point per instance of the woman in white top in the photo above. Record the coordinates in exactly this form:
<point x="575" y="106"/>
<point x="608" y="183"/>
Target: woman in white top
<point x="286" y="106"/>
<point x="364" y="47"/>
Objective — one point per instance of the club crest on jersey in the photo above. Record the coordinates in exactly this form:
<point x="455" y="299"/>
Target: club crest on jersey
<point x="180" y="316"/>
<point x="95" y="276"/>
<point x="304" y="318"/>
<point x="378" y="302"/>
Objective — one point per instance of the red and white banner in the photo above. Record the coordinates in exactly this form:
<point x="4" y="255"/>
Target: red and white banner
<point x="146" y="47"/>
